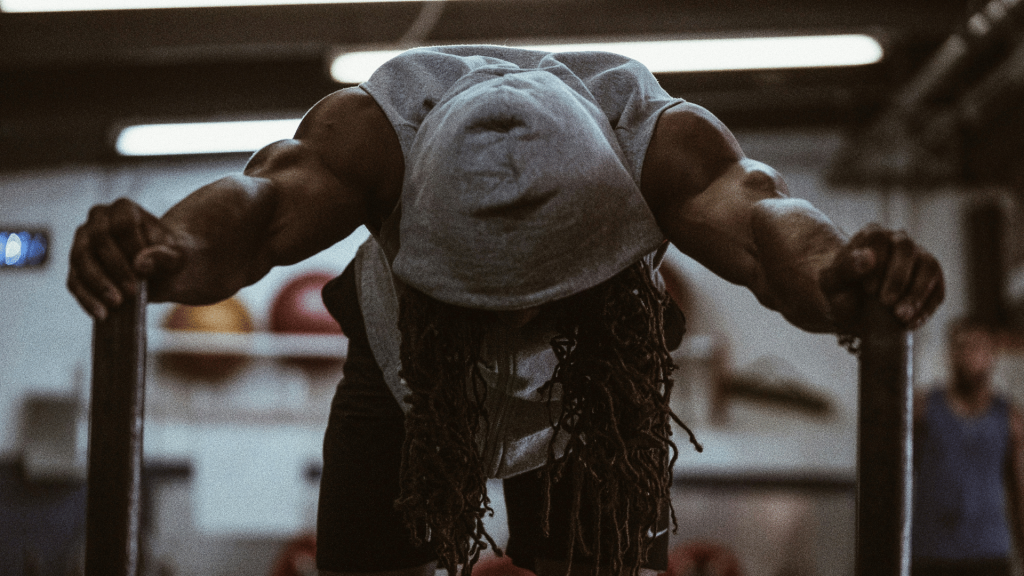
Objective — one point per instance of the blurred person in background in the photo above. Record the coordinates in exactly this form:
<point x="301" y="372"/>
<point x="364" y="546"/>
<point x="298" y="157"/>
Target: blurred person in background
<point x="968" y="465"/>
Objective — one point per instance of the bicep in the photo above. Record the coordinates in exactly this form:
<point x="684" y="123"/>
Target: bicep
<point x="309" y="207"/>
<point x="702" y="189"/>
<point x="342" y="169"/>
<point x="717" y="226"/>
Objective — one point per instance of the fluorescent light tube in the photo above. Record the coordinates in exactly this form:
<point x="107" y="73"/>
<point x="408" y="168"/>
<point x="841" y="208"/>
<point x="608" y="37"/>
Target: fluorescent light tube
<point x="704" y="55"/>
<point x="83" y="5"/>
<point x="659" y="56"/>
<point x="202" y="137"/>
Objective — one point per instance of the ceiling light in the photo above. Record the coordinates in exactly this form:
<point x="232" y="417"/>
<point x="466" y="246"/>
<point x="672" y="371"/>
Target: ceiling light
<point x="202" y="137"/>
<point x="704" y="55"/>
<point x="659" y="56"/>
<point x="83" y="5"/>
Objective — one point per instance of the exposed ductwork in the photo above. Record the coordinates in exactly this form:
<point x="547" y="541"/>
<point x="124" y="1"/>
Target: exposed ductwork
<point x="959" y="119"/>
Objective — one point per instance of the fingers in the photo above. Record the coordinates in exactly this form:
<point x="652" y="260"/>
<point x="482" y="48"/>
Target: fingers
<point x="114" y="261"/>
<point x="856" y="266"/>
<point x="912" y="285"/>
<point x="93" y="305"/>
<point x="898" y="273"/>
<point x="97" y="266"/>
<point x="128" y="238"/>
<point x="850" y="269"/>
<point x="112" y="251"/>
<point x="923" y="296"/>
<point x="897" y="276"/>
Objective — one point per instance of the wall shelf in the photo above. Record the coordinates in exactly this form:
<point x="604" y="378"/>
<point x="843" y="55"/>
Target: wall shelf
<point x="255" y="344"/>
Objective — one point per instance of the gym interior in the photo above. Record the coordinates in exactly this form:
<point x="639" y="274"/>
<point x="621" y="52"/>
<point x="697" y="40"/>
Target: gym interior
<point x="925" y="138"/>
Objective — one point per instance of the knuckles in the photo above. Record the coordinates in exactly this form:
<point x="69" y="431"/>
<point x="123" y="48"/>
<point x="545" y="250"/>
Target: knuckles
<point x="903" y="245"/>
<point x="894" y="247"/>
<point x="123" y="215"/>
<point x="902" y="264"/>
<point x="121" y="212"/>
<point x="107" y="220"/>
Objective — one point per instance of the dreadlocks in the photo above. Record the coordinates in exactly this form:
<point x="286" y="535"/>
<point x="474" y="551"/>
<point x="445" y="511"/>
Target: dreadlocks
<point x="613" y="378"/>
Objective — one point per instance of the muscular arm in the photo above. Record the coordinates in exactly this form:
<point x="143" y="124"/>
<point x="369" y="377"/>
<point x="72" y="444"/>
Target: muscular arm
<point x="735" y="216"/>
<point x="295" y="198"/>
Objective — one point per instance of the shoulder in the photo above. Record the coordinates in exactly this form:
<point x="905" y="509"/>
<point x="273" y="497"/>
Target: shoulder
<point x="689" y="139"/>
<point x="344" y="151"/>
<point x="354" y="139"/>
<point x="686" y="120"/>
<point x="347" y="125"/>
<point x="343" y="110"/>
<point x="689" y="149"/>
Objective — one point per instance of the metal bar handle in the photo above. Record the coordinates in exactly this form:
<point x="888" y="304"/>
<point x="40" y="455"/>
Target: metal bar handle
<point x="884" y="447"/>
<point x="112" y="514"/>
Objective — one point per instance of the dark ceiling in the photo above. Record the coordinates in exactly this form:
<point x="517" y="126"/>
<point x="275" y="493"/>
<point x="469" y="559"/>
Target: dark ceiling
<point x="67" y="80"/>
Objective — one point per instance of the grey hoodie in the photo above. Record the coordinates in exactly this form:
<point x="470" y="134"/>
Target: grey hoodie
<point x="521" y="187"/>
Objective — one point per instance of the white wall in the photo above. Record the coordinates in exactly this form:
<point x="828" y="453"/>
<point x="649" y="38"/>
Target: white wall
<point x="46" y="340"/>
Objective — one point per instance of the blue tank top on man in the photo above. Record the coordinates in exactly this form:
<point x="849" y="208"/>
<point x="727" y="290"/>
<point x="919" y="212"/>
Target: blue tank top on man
<point x="959" y="497"/>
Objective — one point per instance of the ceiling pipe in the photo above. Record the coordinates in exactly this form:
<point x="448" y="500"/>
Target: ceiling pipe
<point x="918" y="140"/>
<point x="994" y="23"/>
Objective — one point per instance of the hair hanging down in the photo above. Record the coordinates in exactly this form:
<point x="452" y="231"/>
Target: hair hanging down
<point x="443" y="486"/>
<point x="614" y="379"/>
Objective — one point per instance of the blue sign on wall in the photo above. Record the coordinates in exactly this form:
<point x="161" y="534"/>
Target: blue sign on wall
<point x="23" y="248"/>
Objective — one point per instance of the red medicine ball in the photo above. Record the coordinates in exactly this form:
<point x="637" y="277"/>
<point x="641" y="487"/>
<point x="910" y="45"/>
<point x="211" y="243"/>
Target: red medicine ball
<point x="299" y="307"/>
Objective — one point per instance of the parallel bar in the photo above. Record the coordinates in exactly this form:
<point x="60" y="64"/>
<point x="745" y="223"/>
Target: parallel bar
<point x="884" y="459"/>
<point x="115" y="441"/>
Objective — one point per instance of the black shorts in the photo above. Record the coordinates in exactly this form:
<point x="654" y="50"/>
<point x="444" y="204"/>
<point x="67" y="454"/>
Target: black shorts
<point x="358" y="529"/>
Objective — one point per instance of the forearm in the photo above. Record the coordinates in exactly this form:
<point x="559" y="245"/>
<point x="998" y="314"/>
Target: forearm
<point x="222" y="230"/>
<point x="745" y="228"/>
<point x="793" y="243"/>
<point x="734" y="215"/>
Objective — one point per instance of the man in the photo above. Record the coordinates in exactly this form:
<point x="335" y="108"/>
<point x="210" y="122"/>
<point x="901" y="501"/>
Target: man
<point x="969" y="466"/>
<point x="510" y="315"/>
